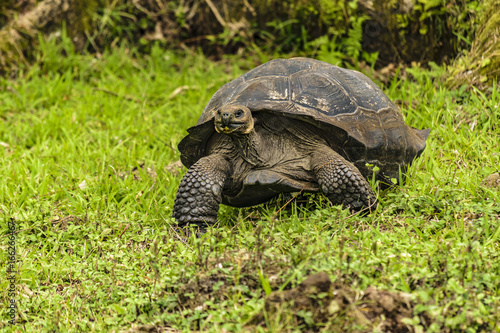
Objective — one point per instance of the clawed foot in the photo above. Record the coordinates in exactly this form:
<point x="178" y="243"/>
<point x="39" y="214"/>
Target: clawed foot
<point x="185" y="232"/>
<point x="362" y="208"/>
<point x="343" y="184"/>
<point x="200" y="192"/>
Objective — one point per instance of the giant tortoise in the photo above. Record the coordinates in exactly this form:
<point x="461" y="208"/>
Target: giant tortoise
<point x="290" y="125"/>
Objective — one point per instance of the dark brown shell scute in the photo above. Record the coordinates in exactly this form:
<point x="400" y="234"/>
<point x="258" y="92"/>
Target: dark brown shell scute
<point x="271" y="88"/>
<point x="282" y="67"/>
<point x="320" y="92"/>
<point x="302" y="86"/>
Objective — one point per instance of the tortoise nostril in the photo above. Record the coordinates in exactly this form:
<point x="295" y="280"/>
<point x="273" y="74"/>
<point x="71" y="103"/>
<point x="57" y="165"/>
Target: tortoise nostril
<point x="226" y="118"/>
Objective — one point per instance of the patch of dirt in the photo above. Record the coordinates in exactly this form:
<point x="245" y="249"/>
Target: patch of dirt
<point x="492" y="181"/>
<point x="62" y="223"/>
<point x="338" y="305"/>
<point x="313" y="305"/>
<point x="149" y="329"/>
<point x="317" y="304"/>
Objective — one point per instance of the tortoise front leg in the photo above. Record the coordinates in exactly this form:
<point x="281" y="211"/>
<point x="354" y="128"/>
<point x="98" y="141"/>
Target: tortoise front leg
<point x="200" y="192"/>
<point x="342" y="182"/>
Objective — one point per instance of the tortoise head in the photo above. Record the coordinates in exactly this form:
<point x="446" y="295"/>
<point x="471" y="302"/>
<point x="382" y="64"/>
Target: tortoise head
<point x="234" y="120"/>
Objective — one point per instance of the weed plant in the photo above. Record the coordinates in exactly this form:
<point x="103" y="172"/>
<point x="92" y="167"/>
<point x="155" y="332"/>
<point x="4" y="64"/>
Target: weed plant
<point x="87" y="146"/>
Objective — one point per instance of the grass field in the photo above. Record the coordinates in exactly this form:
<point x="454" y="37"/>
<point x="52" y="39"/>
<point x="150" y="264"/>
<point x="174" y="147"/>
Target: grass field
<point x="87" y="146"/>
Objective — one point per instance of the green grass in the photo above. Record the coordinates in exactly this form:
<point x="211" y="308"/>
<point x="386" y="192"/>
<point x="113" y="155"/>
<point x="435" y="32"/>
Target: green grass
<point x="95" y="247"/>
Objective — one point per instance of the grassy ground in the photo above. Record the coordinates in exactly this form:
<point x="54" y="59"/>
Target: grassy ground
<point x="85" y="162"/>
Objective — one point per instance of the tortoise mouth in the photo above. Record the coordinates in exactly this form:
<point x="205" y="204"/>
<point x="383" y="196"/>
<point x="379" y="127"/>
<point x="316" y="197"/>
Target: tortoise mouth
<point x="227" y="127"/>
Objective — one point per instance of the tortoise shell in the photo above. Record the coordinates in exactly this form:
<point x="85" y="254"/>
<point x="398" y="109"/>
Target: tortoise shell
<point x="357" y="119"/>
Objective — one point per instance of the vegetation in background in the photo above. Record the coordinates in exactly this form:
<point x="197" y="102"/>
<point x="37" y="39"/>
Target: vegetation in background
<point x="86" y="152"/>
<point x="385" y="32"/>
<point x="405" y="31"/>
<point x="480" y="66"/>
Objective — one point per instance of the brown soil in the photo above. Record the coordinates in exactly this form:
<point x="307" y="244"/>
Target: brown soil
<point x="330" y="305"/>
<point x="492" y="181"/>
<point x="341" y="308"/>
<point x="315" y="305"/>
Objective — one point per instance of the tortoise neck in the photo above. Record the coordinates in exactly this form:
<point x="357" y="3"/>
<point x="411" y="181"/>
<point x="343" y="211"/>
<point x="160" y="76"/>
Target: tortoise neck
<point x="248" y="146"/>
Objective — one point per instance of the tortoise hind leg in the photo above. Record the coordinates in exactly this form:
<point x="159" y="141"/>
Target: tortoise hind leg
<point x="200" y="192"/>
<point x="342" y="182"/>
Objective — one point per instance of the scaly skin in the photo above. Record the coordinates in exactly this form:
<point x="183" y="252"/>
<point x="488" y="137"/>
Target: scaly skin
<point x="342" y="182"/>
<point x="200" y="192"/>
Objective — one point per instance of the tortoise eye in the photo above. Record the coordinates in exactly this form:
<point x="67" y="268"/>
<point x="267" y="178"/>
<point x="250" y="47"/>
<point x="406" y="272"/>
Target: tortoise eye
<point x="239" y="114"/>
<point x="218" y="112"/>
